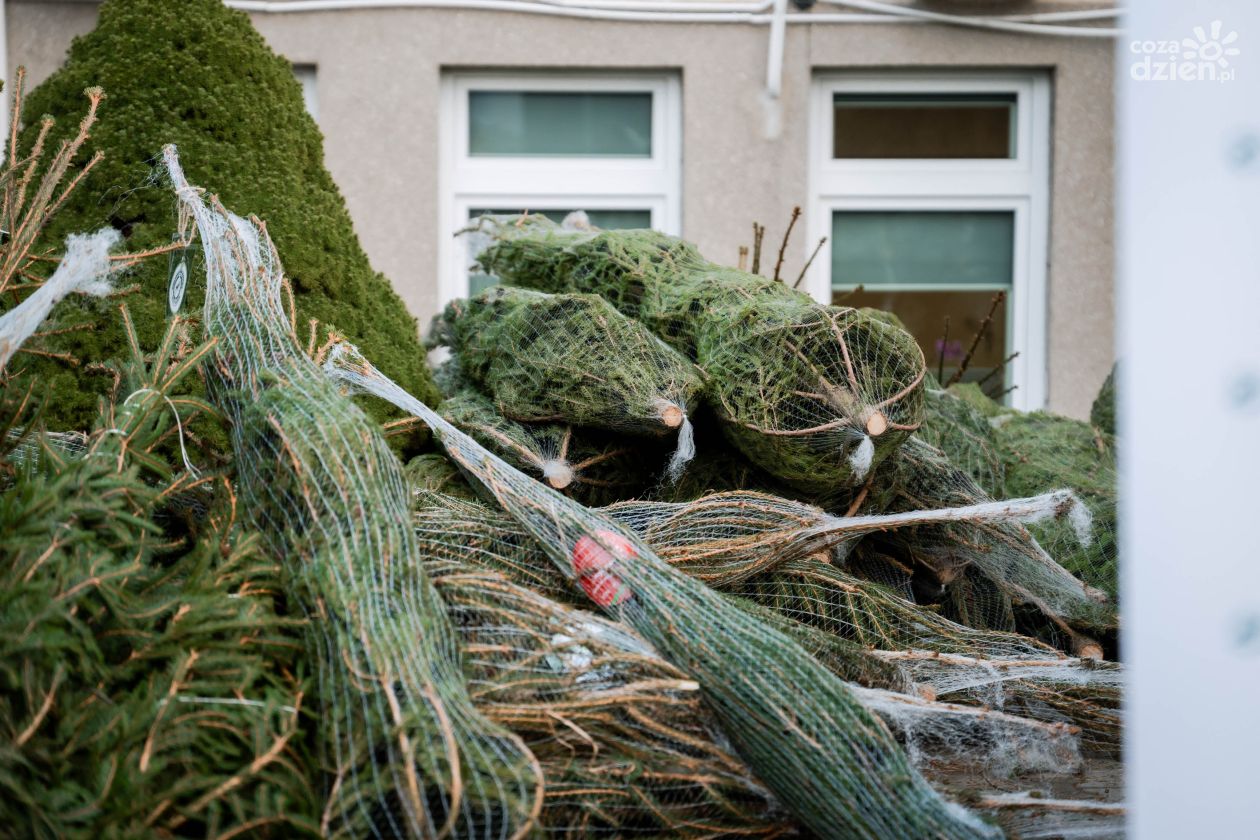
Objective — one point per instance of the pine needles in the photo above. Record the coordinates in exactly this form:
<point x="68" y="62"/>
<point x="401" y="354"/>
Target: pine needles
<point x="148" y="683"/>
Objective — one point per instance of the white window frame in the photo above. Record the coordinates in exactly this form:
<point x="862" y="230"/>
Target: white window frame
<point x="548" y="183"/>
<point x="1020" y="184"/>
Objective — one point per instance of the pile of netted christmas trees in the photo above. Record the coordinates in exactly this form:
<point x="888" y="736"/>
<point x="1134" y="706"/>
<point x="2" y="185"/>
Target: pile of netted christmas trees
<point x="688" y="555"/>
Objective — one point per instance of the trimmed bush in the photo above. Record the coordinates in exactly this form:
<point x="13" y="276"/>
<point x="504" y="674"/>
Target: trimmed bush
<point x="198" y="75"/>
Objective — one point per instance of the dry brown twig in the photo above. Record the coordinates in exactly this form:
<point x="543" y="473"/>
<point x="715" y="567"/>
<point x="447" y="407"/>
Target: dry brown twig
<point x="809" y="262"/>
<point x="787" y="235"/>
<point x="975" y="341"/>
<point x="23" y="214"/>
<point x="998" y="369"/>
<point x="759" y="231"/>
<point x="940" y="356"/>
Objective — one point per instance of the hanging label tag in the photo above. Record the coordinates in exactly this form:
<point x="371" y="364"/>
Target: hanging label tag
<point x="177" y="279"/>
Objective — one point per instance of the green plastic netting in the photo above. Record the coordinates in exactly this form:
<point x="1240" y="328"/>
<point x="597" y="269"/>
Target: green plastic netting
<point x="625" y="741"/>
<point x="842" y="619"/>
<point x="990" y="566"/>
<point x="1040" y="450"/>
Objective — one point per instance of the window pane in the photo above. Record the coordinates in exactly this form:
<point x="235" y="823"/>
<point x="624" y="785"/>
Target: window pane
<point x="525" y="123"/>
<point x="916" y="125"/>
<point x="606" y="219"/>
<point x="924" y="314"/>
<point x="933" y="248"/>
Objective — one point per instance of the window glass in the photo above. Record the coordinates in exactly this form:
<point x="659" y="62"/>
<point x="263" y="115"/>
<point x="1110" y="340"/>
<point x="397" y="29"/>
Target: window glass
<point x="917" y="125"/>
<point x="933" y="248"/>
<point x="605" y="219"/>
<point x="907" y="262"/>
<point x="924" y="315"/>
<point x="547" y="124"/>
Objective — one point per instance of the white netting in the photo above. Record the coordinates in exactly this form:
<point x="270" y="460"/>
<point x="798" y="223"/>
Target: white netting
<point x="1030" y="816"/>
<point x="800" y="728"/>
<point x="787" y="692"/>
<point x="84" y="268"/>
<point x="988" y="567"/>
<point x="986" y="741"/>
<point x="815" y="395"/>
<point x="406" y="752"/>
<point x="625" y="741"/>
<point x="572" y="359"/>
<point x="749" y="545"/>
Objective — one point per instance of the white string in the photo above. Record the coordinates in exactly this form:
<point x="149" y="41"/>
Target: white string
<point x="179" y="426"/>
<point x="84" y="268"/>
<point x="684" y="452"/>
<point x="862" y="457"/>
<point x="227" y="701"/>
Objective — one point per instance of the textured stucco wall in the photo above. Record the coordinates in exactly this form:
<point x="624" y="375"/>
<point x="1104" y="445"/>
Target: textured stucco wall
<point x="379" y="73"/>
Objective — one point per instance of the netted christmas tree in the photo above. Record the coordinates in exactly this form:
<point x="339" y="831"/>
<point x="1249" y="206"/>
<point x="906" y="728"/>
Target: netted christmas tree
<point x="624" y="738"/>
<point x="591" y="466"/>
<point x="197" y="73"/>
<point x="574" y="359"/>
<point x="405" y="751"/>
<point x="750" y="547"/>
<point x="1040" y="450"/>
<point x="958" y="427"/>
<point x="989" y="569"/>
<point x="801" y="729"/>
<point x="815" y="395"/>
<point x="1008" y="452"/>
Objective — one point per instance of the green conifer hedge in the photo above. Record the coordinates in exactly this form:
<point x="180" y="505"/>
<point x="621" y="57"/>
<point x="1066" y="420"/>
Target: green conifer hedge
<point x="197" y="74"/>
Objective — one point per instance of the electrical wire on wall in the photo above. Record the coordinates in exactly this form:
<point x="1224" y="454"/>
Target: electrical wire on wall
<point x="1081" y="23"/>
<point x="1066" y="23"/>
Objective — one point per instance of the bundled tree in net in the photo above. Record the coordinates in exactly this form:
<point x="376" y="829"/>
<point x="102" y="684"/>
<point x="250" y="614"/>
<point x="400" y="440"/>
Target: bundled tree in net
<point x="991" y="567"/>
<point x="950" y="661"/>
<point x="800" y="728"/>
<point x="1039" y="449"/>
<point x="956" y="426"/>
<point x="572" y="358"/>
<point x="859" y="630"/>
<point x="406" y="753"/>
<point x="584" y="463"/>
<point x="1009" y="452"/>
<point x="815" y="395"/>
<point x="625" y="741"/>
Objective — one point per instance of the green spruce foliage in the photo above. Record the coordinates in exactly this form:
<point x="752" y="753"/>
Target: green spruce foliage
<point x="197" y="74"/>
<point x="148" y="685"/>
<point x="1103" y="412"/>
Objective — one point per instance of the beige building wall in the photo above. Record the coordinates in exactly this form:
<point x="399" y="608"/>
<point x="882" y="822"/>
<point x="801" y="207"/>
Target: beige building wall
<point x="378" y="87"/>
